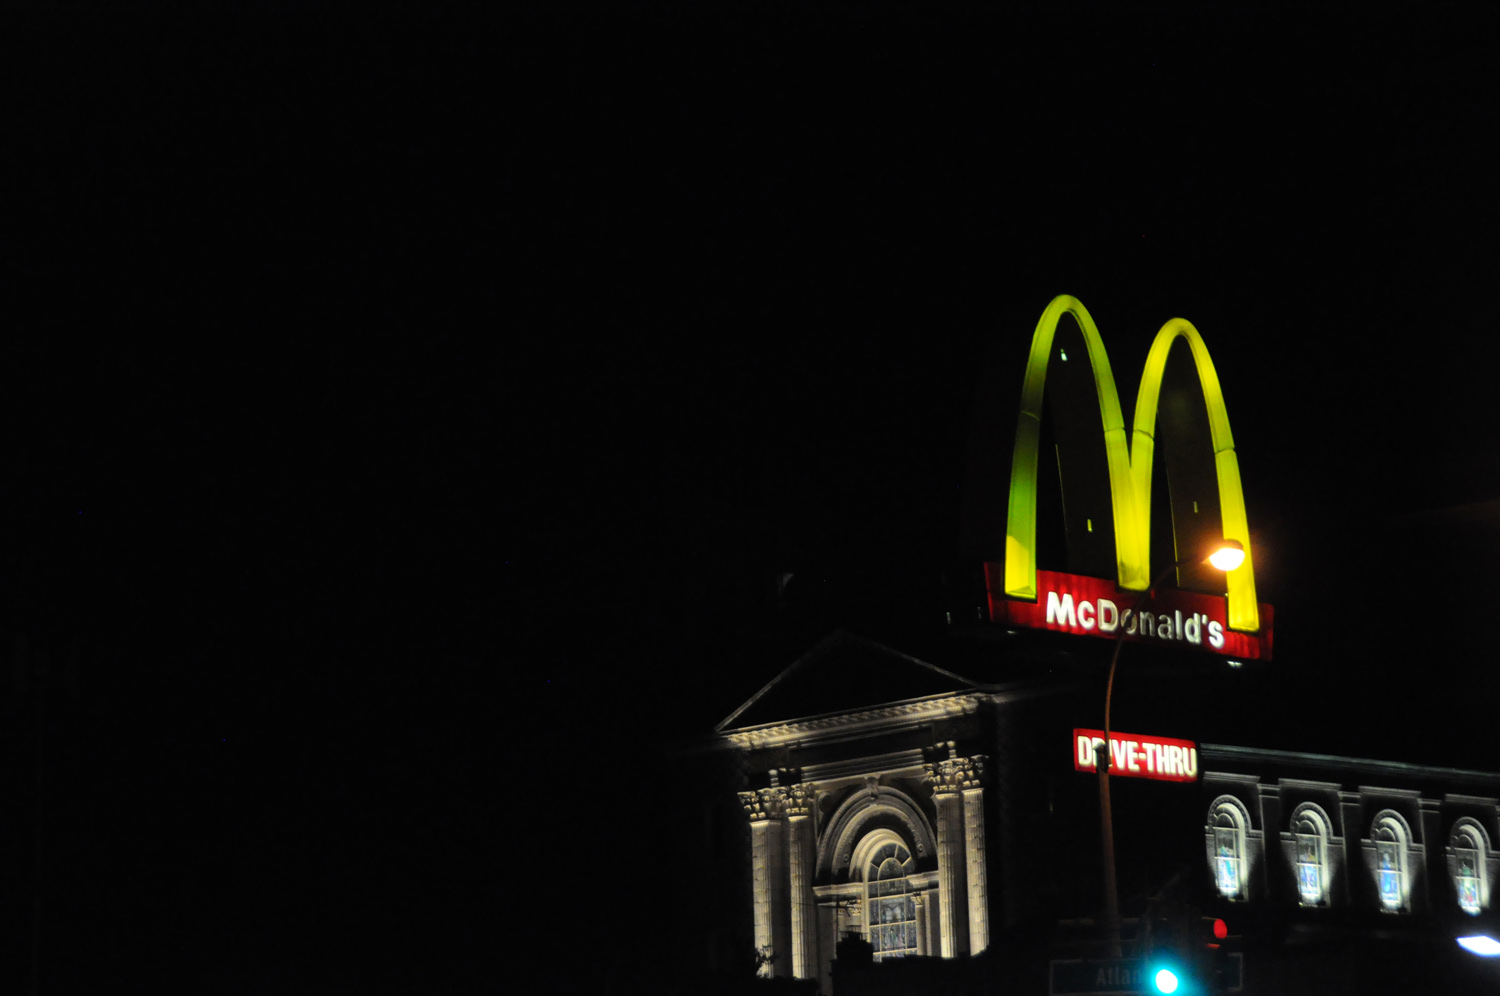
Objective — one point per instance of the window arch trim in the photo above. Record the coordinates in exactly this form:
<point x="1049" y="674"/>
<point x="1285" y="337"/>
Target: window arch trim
<point x="850" y="822"/>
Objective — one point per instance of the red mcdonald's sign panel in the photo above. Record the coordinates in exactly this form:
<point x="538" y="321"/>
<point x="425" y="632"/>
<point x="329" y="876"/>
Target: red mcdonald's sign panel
<point x="1072" y="603"/>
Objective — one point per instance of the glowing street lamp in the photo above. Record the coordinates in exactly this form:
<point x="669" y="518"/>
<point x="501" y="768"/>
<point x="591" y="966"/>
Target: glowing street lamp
<point x="1226" y="556"/>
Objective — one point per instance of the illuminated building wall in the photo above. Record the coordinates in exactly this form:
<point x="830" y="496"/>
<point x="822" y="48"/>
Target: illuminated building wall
<point x="876" y="821"/>
<point x="925" y="822"/>
<point x="1286" y="829"/>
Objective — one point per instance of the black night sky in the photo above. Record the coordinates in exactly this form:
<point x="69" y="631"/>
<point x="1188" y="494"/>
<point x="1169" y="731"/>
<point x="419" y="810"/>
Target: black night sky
<point x="410" y="411"/>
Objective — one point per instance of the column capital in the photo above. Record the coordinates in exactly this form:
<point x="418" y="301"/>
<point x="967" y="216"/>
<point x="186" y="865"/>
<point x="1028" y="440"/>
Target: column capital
<point x="800" y="799"/>
<point x="956" y="774"/>
<point x="764" y="804"/>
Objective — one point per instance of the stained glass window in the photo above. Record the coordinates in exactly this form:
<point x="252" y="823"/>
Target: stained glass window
<point x="891" y="907"/>
<point x="1466" y="857"/>
<point x="1227" y="857"/>
<point x="1310" y="835"/>
<point x="1468" y="880"/>
<point x="1309" y="865"/>
<point x="1388" y="855"/>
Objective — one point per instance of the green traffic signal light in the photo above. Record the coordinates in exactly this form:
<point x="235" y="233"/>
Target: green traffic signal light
<point x="1165" y="980"/>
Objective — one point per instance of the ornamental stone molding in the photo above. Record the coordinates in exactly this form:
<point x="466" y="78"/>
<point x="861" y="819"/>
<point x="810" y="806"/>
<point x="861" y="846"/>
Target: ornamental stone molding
<point x="886" y="717"/>
<point x="956" y="774"/>
<point x="765" y="804"/>
<point x="800" y="800"/>
<point x="849" y="823"/>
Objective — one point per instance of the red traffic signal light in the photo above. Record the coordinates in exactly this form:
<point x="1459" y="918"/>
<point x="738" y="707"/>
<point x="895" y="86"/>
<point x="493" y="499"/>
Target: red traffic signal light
<point x="1219" y="972"/>
<point x="1214" y="930"/>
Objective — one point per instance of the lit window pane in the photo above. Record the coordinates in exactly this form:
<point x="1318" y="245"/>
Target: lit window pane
<point x="1227" y="861"/>
<point x="1468" y="881"/>
<point x="1229" y="877"/>
<point x="1310" y="883"/>
<point x="1390" y="874"/>
<point x="1309" y="868"/>
<point x="891" y="913"/>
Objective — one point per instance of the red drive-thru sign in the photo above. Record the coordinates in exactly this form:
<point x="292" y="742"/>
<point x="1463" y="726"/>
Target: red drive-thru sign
<point x="1072" y="603"/>
<point x="1162" y="759"/>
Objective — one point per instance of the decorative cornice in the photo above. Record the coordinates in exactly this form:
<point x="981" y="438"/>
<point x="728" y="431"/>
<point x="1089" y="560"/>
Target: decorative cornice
<point x="894" y="716"/>
<point x="893" y="764"/>
<point x="1360" y="766"/>
<point x="1457" y="799"/>
<point x="1390" y="793"/>
<point x="840" y="890"/>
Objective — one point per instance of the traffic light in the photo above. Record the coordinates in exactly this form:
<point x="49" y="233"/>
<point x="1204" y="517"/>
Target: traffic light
<point x="1166" y="956"/>
<point x="1188" y="954"/>
<point x="1164" y="979"/>
<point x="1214" y="967"/>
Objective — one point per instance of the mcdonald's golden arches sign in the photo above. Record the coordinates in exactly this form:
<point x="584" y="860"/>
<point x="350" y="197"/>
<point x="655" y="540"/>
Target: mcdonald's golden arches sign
<point x="1222" y="615"/>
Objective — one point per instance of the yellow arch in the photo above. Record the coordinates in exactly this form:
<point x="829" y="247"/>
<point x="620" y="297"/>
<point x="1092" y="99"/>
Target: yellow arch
<point x="1129" y="464"/>
<point x="1020" y="525"/>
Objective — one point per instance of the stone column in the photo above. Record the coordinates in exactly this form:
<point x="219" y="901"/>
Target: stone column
<point x="768" y="878"/>
<point x="847" y="919"/>
<point x="919" y="902"/>
<point x="1279" y="874"/>
<point x="1358" y="889"/>
<point x="1435" y="882"/>
<point x="930" y="924"/>
<point x="802" y="859"/>
<point x="947" y="786"/>
<point x="828" y="935"/>
<point x="971" y="772"/>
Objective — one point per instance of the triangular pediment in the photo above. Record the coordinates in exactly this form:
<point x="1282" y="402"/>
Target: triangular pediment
<point x="844" y="672"/>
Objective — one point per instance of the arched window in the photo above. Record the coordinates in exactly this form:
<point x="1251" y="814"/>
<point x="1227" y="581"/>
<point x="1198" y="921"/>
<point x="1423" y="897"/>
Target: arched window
<point x="1391" y="837"/>
<point x="1310" y="834"/>
<point x="1468" y="863"/>
<point x="890" y="904"/>
<point x="1227" y="826"/>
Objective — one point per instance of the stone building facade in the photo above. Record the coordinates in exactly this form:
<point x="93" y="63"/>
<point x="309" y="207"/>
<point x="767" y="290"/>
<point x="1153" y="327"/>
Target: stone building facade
<point x="877" y="821"/>
<point x="933" y="821"/>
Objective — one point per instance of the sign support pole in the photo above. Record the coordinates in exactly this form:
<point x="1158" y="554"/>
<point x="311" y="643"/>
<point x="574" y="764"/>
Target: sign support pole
<point x="1107" y="831"/>
<point x="1106" y="812"/>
